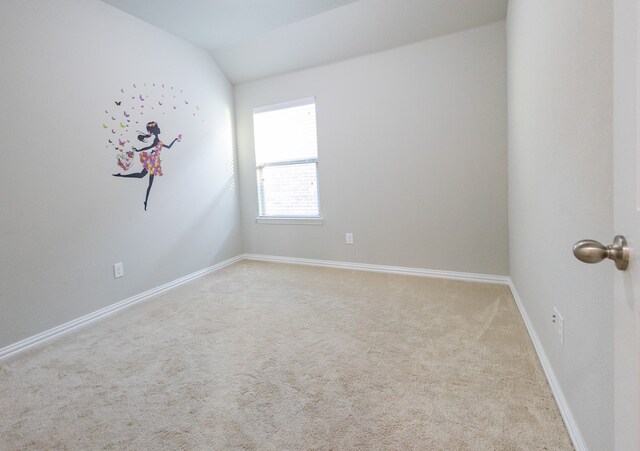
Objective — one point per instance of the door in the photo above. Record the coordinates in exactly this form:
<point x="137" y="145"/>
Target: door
<point x="626" y="197"/>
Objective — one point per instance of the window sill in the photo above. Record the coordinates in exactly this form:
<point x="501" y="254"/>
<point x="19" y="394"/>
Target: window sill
<point x="290" y="220"/>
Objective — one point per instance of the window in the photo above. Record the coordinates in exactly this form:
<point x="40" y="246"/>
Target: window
<point x="286" y="148"/>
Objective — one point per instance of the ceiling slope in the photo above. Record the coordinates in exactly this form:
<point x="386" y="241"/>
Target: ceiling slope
<point x="253" y="39"/>
<point x="359" y="28"/>
<point x="214" y="23"/>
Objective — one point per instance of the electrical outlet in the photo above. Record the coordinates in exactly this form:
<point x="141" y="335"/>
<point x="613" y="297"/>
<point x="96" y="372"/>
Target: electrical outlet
<point x="118" y="270"/>
<point x="560" y="321"/>
<point x="349" y="238"/>
<point x="558" y="326"/>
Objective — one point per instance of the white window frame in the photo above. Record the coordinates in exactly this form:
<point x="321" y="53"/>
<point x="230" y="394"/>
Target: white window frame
<point x="300" y="220"/>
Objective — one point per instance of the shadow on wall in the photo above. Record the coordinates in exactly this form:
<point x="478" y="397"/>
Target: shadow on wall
<point x="221" y="235"/>
<point x="201" y="209"/>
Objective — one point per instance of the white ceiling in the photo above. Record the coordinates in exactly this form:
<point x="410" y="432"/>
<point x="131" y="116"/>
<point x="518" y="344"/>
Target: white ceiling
<point x="252" y="39"/>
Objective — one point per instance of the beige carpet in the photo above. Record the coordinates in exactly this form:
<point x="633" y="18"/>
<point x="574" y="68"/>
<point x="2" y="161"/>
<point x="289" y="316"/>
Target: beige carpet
<point x="281" y="357"/>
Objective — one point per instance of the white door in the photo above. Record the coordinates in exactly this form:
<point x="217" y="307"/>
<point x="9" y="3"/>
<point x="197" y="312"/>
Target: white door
<point x="626" y="196"/>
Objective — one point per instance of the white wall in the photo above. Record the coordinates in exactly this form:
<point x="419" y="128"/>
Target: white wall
<point x="64" y="219"/>
<point x="412" y="151"/>
<point x="560" y="191"/>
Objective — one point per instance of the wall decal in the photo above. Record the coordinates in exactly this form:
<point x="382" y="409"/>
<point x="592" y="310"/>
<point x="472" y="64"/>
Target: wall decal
<point x="151" y="163"/>
<point x="118" y="122"/>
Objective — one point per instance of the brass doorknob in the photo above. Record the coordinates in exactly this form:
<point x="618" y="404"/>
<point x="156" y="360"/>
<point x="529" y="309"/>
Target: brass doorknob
<point x="591" y="251"/>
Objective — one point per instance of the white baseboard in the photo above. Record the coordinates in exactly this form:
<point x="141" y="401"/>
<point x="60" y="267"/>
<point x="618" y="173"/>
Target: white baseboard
<point x="75" y="324"/>
<point x="472" y="277"/>
<point x="566" y="412"/>
<point x="55" y="332"/>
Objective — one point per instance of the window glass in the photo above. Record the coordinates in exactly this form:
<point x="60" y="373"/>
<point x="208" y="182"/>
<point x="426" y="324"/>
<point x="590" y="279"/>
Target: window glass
<point x="286" y="150"/>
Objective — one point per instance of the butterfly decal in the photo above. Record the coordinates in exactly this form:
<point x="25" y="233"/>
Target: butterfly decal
<point x="134" y="85"/>
<point x="141" y="98"/>
<point x="186" y="103"/>
<point x="113" y="131"/>
<point x="113" y="118"/>
<point x="118" y="103"/>
<point x="105" y="126"/>
<point x="126" y="114"/>
<point x="122" y="125"/>
<point x="122" y="90"/>
<point x="121" y="142"/>
<point x="160" y="103"/>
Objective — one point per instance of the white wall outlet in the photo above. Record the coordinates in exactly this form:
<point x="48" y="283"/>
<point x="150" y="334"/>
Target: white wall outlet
<point x="558" y="326"/>
<point x="561" y="330"/>
<point x="118" y="270"/>
<point x="349" y="238"/>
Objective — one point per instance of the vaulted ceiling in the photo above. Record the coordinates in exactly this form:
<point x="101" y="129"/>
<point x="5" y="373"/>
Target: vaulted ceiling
<point x="253" y="39"/>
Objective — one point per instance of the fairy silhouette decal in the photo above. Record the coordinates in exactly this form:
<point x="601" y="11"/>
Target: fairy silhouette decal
<point x="151" y="163"/>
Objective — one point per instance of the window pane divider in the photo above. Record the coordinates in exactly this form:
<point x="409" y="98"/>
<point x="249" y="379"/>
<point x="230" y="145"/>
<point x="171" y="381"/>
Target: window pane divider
<point x="287" y="163"/>
<point x="291" y="220"/>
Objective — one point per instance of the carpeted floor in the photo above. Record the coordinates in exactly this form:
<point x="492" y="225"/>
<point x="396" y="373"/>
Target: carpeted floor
<point x="281" y="357"/>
